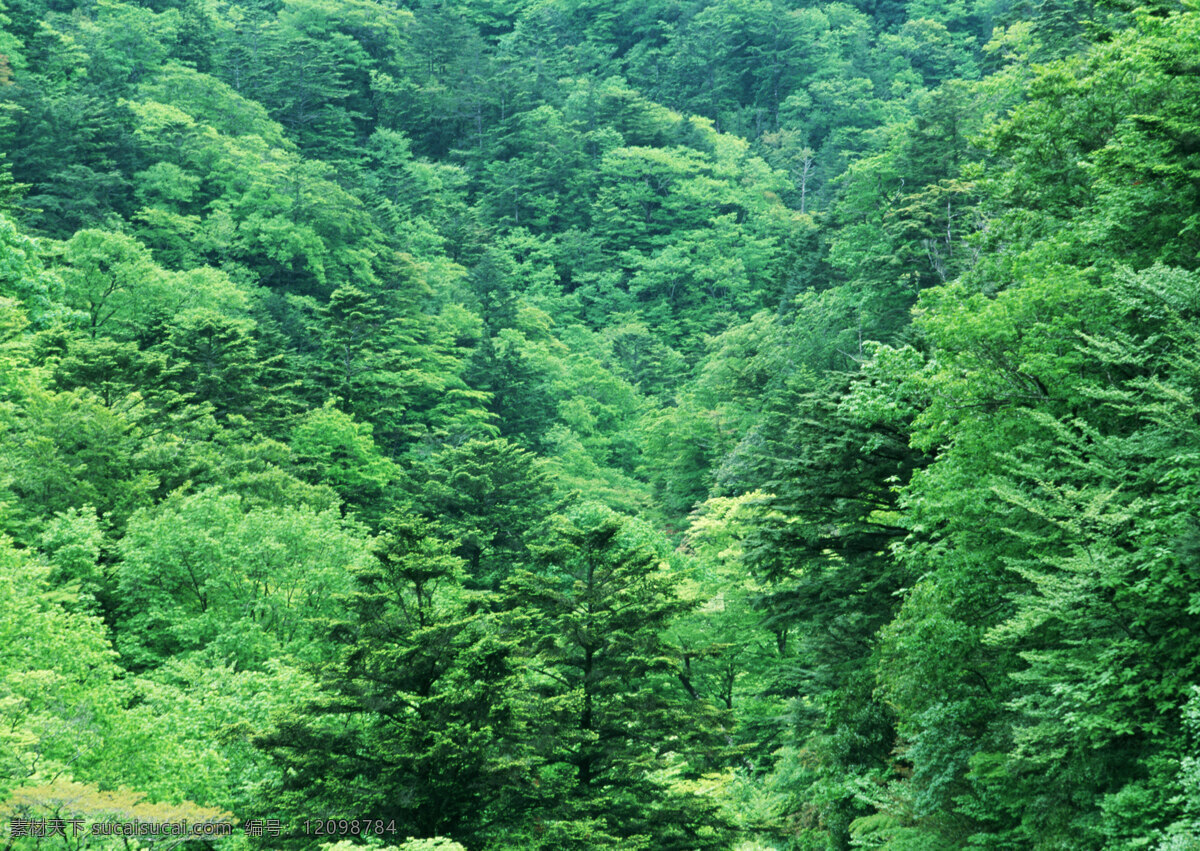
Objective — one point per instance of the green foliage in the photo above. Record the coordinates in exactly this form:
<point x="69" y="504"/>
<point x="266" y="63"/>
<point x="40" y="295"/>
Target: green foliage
<point x="595" y="613"/>
<point x="56" y="676"/>
<point x="333" y="449"/>
<point x="422" y="718"/>
<point x="67" y="450"/>
<point x="488" y="497"/>
<point x="190" y="728"/>
<point x="207" y="572"/>
<point x="25" y="278"/>
<point x="883" y="314"/>
<point x="729" y="655"/>
<point x="1039" y="533"/>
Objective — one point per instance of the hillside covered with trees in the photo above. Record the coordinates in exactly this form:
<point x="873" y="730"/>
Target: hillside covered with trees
<point x="555" y="425"/>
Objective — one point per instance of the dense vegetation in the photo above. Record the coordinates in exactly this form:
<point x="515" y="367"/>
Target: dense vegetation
<point x="602" y="424"/>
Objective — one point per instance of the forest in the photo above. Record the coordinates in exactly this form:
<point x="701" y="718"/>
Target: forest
<point x="643" y="425"/>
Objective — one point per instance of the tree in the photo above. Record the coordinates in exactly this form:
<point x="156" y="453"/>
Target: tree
<point x="66" y="450"/>
<point x="596" y="612"/>
<point x="489" y="497"/>
<point x="333" y="448"/>
<point x="215" y="361"/>
<point x="207" y="572"/>
<point x="730" y="653"/>
<point x="1024" y="664"/>
<point x="113" y="282"/>
<point x="819" y="540"/>
<point x="423" y="719"/>
<point x="91" y="817"/>
<point x="57" y="677"/>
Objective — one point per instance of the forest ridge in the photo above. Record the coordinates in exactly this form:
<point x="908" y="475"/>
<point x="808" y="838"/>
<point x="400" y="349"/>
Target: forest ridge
<point x="557" y="425"/>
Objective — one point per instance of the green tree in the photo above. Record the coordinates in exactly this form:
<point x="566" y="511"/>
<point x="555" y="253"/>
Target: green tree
<point x="386" y="367"/>
<point x="206" y="572"/>
<point x="489" y="497"/>
<point x="597" y="611"/>
<point x="57" y="676"/>
<point x="422" y="718"/>
<point x="332" y="448"/>
<point x="820" y="542"/>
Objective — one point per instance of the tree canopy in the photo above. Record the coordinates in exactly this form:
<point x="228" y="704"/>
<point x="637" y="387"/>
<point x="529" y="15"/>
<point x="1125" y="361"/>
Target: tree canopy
<point x="739" y="425"/>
